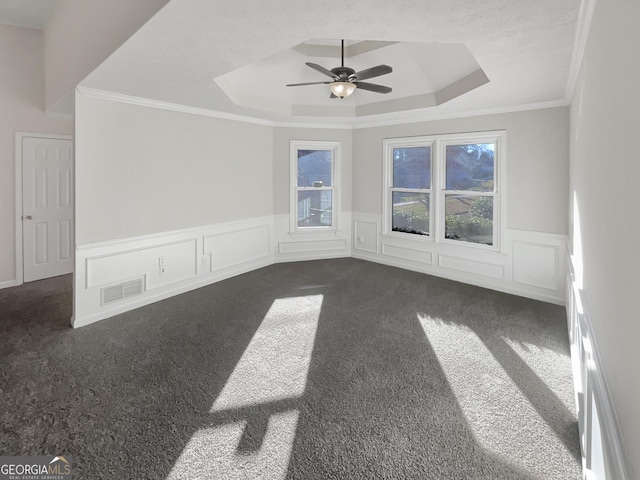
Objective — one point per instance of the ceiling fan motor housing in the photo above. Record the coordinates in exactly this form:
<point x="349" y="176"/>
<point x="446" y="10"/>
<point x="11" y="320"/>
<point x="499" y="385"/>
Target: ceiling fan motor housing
<point x="344" y="74"/>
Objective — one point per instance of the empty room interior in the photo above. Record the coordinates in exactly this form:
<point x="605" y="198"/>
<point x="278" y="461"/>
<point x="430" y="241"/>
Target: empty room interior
<point x="320" y="239"/>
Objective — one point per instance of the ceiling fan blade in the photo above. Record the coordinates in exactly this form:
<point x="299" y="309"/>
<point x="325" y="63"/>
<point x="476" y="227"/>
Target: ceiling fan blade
<point x="307" y="83"/>
<point x="373" y="87"/>
<point x="321" y="69"/>
<point x="376" y="71"/>
<point x="333" y="95"/>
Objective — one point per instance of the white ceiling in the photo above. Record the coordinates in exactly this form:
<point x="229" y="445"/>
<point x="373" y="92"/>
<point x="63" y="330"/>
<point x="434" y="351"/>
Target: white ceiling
<point x="424" y="74"/>
<point x="524" y="47"/>
<point x="26" y="13"/>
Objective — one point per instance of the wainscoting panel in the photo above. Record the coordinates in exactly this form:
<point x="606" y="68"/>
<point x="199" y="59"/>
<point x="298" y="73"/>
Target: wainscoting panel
<point x="405" y="253"/>
<point x="312" y="244"/>
<point x="179" y="264"/>
<point x="170" y="263"/>
<point x="601" y="443"/>
<point x="530" y="264"/>
<point x="471" y="266"/>
<point x="232" y="248"/>
<point x="366" y="234"/>
<point x="535" y="265"/>
<point x="539" y="261"/>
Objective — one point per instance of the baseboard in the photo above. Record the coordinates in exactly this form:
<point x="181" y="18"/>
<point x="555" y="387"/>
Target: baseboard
<point x="8" y="284"/>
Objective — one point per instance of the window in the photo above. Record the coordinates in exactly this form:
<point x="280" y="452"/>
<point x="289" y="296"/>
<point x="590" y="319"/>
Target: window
<point x="314" y="180"/>
<point x="411" y="188"/>
<point x="469" y="192"/>
<point x="444" y="189"/>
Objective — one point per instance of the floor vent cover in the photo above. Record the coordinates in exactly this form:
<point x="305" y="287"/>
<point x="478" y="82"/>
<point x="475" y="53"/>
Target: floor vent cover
<point x="121" y="291"/>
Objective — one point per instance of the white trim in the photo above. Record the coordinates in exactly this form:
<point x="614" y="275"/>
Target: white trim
<point x="336" y="186"/>
<point x="486" y="268"/>
<point x="8" y="284"/>
<point x="151" y="103"/>
<point x="592" y="388"/>
<point x="387" y="180"/>
<point x="437" y="191"/>
<point x="499" y="138"/>
<point x="19" y="137"/>
<point x="583" y="26"/>
<point x="125" y="243"/>
<point x="60" y="116"/>
<point x="431" y="117"/>
<point x="189" y="253"/>
<point x="249" y="244"/>
<point x="147" y="299"/>
<point x="319" y="125"/>
<point x="339" y="124"/>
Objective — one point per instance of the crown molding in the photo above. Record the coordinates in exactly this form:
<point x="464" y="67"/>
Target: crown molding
<point x="353" y="125"/>
<point x="175" y="107"/>
<point x="466" y="114"/>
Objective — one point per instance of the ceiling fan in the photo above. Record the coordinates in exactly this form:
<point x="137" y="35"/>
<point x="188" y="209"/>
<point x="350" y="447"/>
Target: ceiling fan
<point x="346" y="80"/>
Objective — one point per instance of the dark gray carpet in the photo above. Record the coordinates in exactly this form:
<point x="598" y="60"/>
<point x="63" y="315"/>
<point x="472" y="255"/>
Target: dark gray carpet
<point x="333" y="369"/>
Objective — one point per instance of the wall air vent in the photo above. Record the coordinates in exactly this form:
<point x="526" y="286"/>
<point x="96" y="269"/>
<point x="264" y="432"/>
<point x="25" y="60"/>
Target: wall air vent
<point x="120" y="291"/>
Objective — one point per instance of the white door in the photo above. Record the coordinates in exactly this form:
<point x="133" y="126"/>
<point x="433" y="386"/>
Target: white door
<point x="47" y="207"/>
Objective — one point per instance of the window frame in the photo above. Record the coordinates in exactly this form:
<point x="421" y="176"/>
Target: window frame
<point x="389" y="146"/>
<point x="438" y="192"/>
<point x="335" y="149"/>
<point x="498" y="139"/>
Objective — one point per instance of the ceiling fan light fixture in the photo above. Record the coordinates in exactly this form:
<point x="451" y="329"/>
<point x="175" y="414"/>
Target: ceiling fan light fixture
<point x="342" y="89"/>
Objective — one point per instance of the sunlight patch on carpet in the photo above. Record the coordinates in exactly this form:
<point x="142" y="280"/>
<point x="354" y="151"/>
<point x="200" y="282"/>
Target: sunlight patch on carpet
<point x="503" y="421"/>
<point x="212" y="452"/>
<point x="276" y="363"/>
<point x="553" y="368"/>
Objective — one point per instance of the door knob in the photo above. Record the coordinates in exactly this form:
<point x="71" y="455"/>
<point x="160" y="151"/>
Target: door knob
<point x="29" y="217"/>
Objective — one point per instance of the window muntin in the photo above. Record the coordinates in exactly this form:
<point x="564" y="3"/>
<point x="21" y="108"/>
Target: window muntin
<point x="314" y="179"/>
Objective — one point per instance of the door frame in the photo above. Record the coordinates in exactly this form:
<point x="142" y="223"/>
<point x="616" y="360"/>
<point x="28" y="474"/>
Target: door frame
<point x="20" y="136"/>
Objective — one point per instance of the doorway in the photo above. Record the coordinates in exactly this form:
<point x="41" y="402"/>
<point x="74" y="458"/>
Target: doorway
<point x="44" y="206"/>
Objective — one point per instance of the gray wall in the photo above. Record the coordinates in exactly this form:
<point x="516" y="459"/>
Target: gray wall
<point x="537" y="163"/>
<point x="605" y="169"/>
<point x="21" y="110"/>
<point x="143" y="170"/>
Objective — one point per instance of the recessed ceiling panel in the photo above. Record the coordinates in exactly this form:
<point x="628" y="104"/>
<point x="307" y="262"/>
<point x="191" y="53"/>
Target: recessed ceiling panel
<point x="421" y="71"/>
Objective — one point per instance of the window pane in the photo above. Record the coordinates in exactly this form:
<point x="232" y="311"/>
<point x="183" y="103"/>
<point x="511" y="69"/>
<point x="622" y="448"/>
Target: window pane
<point x="412" y="167"/>
<point x="314" y="208"/>
<point x="470" y="167"/>
<point x="314" y="168"/>
<point x="469" y="218"/>
<point x="410" y="213"/>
